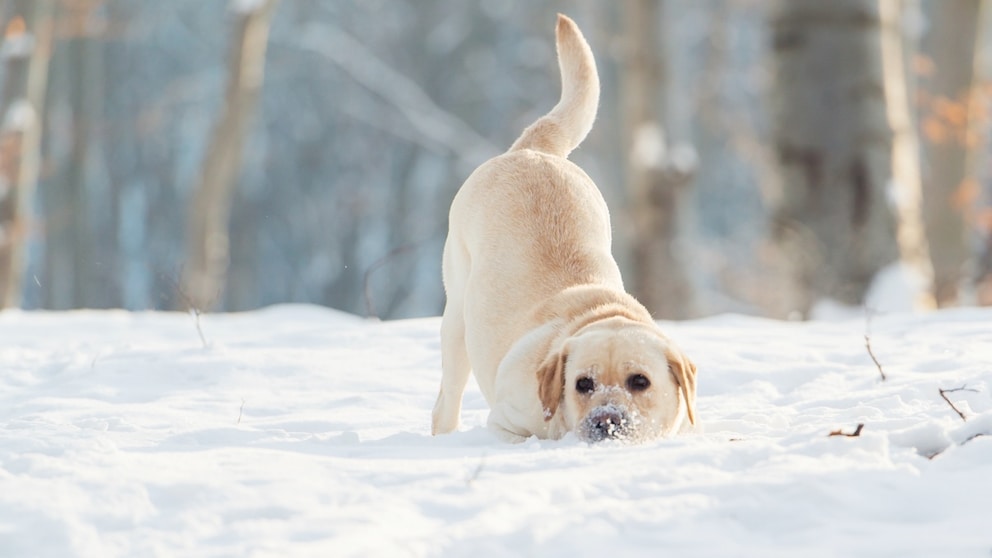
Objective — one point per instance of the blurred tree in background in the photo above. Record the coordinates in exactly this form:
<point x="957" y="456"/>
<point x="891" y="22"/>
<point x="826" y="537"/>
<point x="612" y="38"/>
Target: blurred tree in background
<point x="657" y="174"/>
<point x="207" y="243"/>
<point x="26" y="52"/>
<point x="950" y="101"/>
<point x="757" y="156"/>
<point x="833" y="144"/>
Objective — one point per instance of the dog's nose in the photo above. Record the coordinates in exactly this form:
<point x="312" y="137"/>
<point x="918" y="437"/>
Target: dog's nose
<point x="605" y="424"/>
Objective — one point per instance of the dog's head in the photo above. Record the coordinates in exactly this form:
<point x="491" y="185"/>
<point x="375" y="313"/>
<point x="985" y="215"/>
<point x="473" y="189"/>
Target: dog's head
<point x="618" y="379"/>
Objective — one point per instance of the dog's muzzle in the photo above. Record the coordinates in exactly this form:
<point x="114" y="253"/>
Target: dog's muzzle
<point x="608" y="422"/>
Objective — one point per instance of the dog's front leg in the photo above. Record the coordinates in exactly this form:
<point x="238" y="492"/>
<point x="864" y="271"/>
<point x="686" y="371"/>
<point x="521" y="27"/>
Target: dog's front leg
<point x="499" y="426"/>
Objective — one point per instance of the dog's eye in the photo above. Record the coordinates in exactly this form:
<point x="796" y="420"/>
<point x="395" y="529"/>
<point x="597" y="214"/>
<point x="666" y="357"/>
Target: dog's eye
<point x="638" y="382"/>
<point x="585" y="385"/>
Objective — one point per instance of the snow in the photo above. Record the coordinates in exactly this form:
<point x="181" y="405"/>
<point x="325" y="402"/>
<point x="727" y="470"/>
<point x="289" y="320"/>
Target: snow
<point x="246" y="6"/>
<point x="17" y="45"/>
<point x="896" y="288"/>
<point x="20" y="117"/>
<point x="300" y="431"/>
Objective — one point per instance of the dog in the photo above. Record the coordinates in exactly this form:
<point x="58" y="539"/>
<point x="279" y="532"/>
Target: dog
<point x="536" y="307"/>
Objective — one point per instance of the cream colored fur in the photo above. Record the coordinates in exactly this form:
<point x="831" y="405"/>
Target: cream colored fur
<point x="535" y="303"/>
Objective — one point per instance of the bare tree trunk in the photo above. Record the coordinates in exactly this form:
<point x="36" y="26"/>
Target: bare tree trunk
<point x="983" y="277"/>
<point x="657" y="181"/>
<point x="898" y="51"/>
<point x="78" y="85"/>
<point x="208" y="256"/>
<point x="834" y="148"/>
<point x="26" y="49"/>
<point x="948" y="187"/>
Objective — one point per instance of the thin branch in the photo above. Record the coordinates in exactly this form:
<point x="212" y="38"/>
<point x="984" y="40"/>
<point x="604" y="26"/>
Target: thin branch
<point x="370" y="309"/>
<point x="367" y="279"/>
<point x="855" y="434"/>
<point x="196" y="318"/>
<point x="872" y="355"/>
<point x="944" y="392"/>
<point x="972" y="437"/>
<point x="868" y="313"/>
<point x="191" y="306"/>
<point x="478" y="470"/>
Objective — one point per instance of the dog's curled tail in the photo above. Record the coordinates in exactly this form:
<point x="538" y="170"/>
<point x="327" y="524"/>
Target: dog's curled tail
<point x="563" y="129"/>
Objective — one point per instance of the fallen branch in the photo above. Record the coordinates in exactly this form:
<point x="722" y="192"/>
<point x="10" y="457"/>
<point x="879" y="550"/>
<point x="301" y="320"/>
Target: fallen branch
<point x="972" y="437"/>
<point x="944" y="392"/>
<point x="855" y="434"/>
<point x="931" y="456"/>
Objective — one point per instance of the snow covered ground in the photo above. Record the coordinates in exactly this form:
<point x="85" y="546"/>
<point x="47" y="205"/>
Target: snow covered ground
<point x="301" y="431"/>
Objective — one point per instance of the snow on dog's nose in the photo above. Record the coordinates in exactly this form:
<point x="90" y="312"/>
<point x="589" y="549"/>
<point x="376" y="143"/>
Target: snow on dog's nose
<point x="608" y="422"/>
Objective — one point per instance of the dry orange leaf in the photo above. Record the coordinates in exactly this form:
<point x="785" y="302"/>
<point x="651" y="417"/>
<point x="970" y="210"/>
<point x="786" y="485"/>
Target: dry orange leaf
<point x="954" y="112"/>
<point x="16" y="27"/>
<point x="923" y="65"/>
<point x="934" y="130"/>
<point x="966" y="194"/>
<point x="983" y="220"/>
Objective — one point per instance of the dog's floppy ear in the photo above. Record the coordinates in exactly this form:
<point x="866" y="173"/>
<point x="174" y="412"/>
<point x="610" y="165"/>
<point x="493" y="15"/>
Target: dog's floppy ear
<point x="551" y="382"/>
<point x="684" y="371"/>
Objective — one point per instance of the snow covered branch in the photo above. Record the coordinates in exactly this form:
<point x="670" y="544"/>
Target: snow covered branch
<point x="430" y="121"/>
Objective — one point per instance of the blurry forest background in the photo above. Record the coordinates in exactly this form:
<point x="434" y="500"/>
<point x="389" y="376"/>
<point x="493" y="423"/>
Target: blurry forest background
<point x="757" y="156"/>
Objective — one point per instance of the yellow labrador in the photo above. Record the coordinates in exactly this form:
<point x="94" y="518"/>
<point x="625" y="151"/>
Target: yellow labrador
<point x="535" y="302"/>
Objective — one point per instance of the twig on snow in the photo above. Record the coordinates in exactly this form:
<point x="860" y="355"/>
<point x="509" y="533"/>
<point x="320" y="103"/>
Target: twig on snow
<point x="196" y="318"/>
<point x="855" y="434"/>
<point x="872" y="355"/>
<point x="194" y="310"/>
<point x="241" y="410"/>
<point x="972" y="437"/>
<point x="868" y="343"/>
<point x="944" y="392"/>
<point x="478" y="470"/>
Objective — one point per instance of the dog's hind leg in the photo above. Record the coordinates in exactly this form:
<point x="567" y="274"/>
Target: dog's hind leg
<point x="455" y="370"/>
<point x="455" y="364"/>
